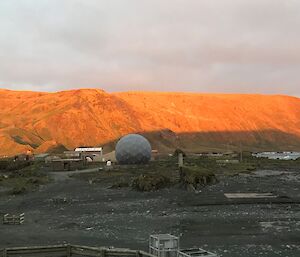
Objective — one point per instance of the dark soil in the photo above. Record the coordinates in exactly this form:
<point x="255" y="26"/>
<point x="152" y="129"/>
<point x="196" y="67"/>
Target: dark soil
<point x="94" y="214"/>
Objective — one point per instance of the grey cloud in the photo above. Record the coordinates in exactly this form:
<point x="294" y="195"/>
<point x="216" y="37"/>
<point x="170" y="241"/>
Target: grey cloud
<point x="178" y="45"/>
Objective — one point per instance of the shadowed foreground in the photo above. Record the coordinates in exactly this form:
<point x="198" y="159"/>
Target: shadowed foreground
<point x="96" y="216"/>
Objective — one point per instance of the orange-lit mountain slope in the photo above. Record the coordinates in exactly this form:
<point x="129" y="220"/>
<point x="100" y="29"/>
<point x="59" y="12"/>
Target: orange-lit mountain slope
<point x="33" y="120"/>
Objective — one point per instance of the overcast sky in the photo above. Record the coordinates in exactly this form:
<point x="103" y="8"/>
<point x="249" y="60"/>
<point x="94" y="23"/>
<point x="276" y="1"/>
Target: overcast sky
<point x="245" y="46"/>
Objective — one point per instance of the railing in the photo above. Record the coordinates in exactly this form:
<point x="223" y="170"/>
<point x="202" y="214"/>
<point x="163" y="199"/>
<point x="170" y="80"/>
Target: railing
<point x="71" y="250"/>
<point x="9" y="219"/>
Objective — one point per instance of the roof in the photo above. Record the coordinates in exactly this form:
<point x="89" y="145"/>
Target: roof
<point x="164" y="236"/>
<point x="88" y="149"/>
<point x="66" y="160"/>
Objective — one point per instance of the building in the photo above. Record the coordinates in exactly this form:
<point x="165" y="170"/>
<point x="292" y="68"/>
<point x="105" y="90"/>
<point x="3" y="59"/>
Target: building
<point x="72" y="154"/>
<point x="111" y="156"/>
<point x="93" y="154"/>
<point x="23" y="157"/>
<point x="66" y="164"/>
<point x="74" y="160"/>
<point x="154" y="155"/>
<point x="88" y="154"/>
<point x="213" y="154"/>
<point x="278" y="155"/>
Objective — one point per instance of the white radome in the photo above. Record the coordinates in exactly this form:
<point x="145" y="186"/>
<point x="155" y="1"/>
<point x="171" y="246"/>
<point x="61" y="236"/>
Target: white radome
<point x="133" y="149"/>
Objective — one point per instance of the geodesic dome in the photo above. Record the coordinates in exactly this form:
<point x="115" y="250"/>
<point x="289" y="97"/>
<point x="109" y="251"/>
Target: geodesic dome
<point x="133" y="149"/>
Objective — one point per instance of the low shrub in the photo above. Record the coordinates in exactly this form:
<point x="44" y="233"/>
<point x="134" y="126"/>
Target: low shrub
<point x="150" y="182"/>
<point x="197" y="176"/>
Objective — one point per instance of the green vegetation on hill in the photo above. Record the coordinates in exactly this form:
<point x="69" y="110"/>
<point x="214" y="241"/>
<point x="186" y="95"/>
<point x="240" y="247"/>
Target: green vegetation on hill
<point x="21" y="177"/>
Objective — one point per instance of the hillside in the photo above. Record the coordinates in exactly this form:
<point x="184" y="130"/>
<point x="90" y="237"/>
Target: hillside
<point x="195" y="122"/>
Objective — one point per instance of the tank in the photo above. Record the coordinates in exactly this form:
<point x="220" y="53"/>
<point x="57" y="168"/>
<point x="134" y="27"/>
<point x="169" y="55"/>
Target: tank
<point x="133" y="149"/>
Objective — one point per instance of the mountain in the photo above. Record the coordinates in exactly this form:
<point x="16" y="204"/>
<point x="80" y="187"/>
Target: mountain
<point x="195" y="122"/>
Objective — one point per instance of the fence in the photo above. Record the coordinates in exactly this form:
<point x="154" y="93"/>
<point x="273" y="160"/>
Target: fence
<point x="71" y="250"/>
<point x="196" y="252"/>
<point x="9" y="219"/>
<point x="227" y="161"/>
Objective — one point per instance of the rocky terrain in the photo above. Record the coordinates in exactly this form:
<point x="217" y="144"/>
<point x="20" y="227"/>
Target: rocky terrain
<point x="194" y="122"/>
<point x="97" y="215"/>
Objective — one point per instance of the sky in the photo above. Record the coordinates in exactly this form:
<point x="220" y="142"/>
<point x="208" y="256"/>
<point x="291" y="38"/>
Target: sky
<point x="213" y="46"/>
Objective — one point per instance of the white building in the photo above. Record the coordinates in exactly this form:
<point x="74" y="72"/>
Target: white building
<point x="278" y="155"/>
<point x="90" y="154"/>
<point x="88" y="149"/>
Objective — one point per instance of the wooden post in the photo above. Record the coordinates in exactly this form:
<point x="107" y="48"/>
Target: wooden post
<point x="69" y="251"/>
<point x="138" y="254"/>
<point x="241" y="153"/>
<point x="180" y="165"/>
<point x="180" y="160"/>
<point x="102" y="252"/>
<point x="4" y="252"/>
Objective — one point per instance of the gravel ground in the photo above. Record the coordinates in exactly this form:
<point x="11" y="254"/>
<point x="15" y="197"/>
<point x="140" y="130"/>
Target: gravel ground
<point x="97" y="216"/>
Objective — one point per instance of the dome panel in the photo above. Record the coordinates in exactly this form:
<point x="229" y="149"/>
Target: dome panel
<point x="133" y="149"/>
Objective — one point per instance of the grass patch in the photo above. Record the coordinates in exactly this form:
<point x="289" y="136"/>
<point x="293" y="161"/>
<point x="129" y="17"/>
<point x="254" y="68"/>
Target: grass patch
<point x="198" y="171"/>
<point x="237" y="168"/>
<point x="140" y="177"/>
<point x="25" y="179"/>
<point x="150" y="182"/>
<point x="197" y="176"/>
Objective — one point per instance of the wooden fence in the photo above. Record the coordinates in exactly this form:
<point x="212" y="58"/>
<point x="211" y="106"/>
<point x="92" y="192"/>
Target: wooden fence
<point x="9" y="219"/>
<point x="71" y="251"/>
